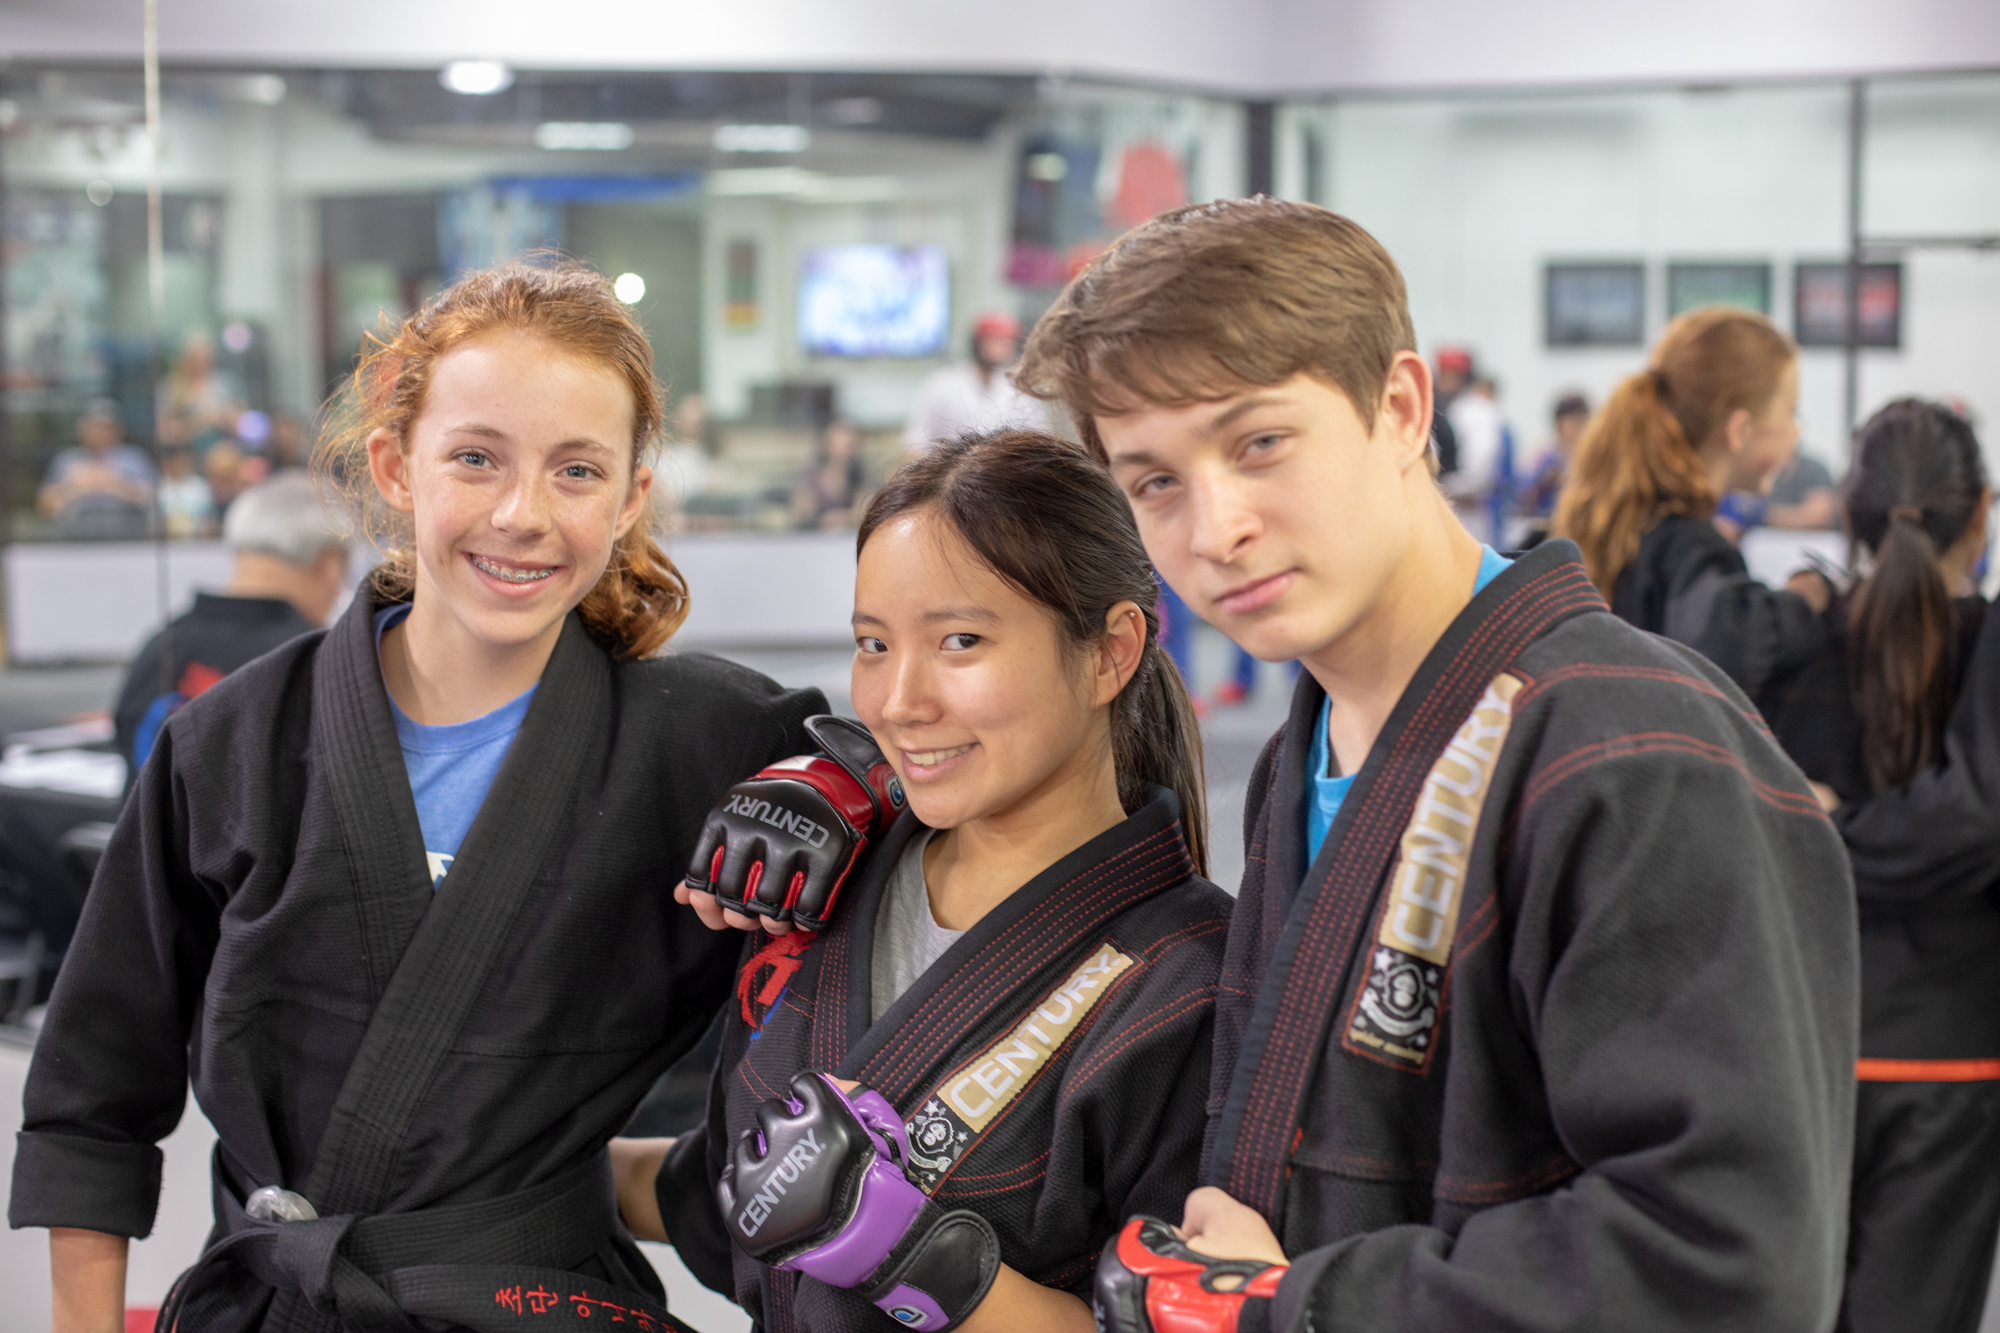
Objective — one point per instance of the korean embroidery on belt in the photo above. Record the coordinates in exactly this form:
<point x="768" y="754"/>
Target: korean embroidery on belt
<point x="958" y="1110"/>
<point x="1395" y="1013"/>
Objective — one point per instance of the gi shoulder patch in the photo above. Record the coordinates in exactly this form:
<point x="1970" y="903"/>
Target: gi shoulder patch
<point x="1395" y="1011"/>
<point x="958" y="1110"/>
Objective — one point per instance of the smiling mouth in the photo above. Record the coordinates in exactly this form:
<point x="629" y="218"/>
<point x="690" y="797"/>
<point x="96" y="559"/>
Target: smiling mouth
<point x="512" y="573"/>
<point x="932" y="758"/>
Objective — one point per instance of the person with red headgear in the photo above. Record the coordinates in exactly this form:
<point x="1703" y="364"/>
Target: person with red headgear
<point x="975" y="396"/>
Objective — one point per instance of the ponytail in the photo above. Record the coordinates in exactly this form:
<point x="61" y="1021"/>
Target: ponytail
<point x="1046" y="517"/>
<point x="1156" y="742"/>
<point x="1916" y="485"/>
<point x="1640" y="459"/>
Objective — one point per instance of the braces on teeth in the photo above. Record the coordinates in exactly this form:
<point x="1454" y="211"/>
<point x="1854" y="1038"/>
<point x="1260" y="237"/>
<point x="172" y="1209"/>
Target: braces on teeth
<point x="512" y="576"/>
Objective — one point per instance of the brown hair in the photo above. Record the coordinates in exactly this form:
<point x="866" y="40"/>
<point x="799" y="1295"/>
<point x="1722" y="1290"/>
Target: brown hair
<point x="641" y="598"/>
<point x="1046" y="517"/>
<point x="1915" y="487"/>
<point x="1204" y="301"/>
<point x="1640" y="457"/>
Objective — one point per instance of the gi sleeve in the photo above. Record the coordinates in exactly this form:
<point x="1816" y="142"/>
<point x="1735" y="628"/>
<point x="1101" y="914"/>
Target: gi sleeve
<point x="110" y="1072"/>
<point x="1938" y="835"/>
<point x="1751" y="631"/>
<point x="1684" y="961"/>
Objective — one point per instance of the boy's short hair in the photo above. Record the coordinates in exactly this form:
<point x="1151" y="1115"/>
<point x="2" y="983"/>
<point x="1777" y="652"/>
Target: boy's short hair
<point x="1208" y="300"/>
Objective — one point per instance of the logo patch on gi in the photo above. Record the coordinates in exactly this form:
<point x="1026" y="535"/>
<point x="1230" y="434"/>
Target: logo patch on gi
<point x="972" y="1096"/>
<point x="1395" y="1013"/>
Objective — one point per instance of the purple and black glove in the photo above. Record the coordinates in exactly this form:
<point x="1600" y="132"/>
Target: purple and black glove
<point x="784" y="841"/>
<point x="819" y="1187"/>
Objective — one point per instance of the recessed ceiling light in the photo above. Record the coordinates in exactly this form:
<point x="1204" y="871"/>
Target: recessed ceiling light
<point x="762" y="138"/>
<point x="605" y="136"/>
<point x="629" y="288"/>
<point x="476" y="78"/>
<point x="99" y="192"/>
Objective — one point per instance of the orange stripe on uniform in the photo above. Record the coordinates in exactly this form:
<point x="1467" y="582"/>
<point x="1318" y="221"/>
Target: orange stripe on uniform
<point x="1926" y="1071"/>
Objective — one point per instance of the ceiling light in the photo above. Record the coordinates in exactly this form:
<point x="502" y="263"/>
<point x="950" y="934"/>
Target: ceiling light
<point x="99" y="192"/>
<point x="476" y="78"/>
<point x="1047" y="166"/>
<point x="761" y="138"/>
<point x="263" y="89"/>
<point x="603" y="136"/>
<point x="855" y="110"/>
<point x="629" y="288"/>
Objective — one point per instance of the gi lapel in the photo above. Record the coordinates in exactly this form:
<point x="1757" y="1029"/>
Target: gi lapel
<point x="1019" y="950"/>
<point x="1299" y="998"/>
<point x="843" y="998"/>
<point x="525" y="815"/>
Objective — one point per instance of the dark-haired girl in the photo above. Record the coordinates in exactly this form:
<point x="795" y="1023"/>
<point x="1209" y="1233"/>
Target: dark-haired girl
<point x="395" y="897"/>
<point x="1899" y="723"/>
<point x="1714" y="411"/>
<point x="1015" y="1000"/>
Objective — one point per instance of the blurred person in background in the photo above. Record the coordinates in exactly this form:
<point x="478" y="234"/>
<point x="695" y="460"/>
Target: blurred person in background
<point x="975" y="396"/>
<point x="1803" y="495"/>
<point x="832" y="492"/>
<point x="1716" y="411"/>
<point x="224" y="467"/>
<point x="1538" y="497"/>
<point x="185" y="503"/>
<point x="197" y="402"/>
<point x="290" y="564"/>
<point x="101" y="489"/>
<point x="1485" y="465"/>
<point x="1452" y="372"/>
<point x="689" y="456"/>
<point x="1898" y="725"/>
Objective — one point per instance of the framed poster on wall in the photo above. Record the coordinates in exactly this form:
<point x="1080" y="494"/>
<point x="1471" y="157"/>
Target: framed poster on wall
<point x="1819" y="304"/>
<point x="1594" y="305"/>
<point x="1745" y="286"/>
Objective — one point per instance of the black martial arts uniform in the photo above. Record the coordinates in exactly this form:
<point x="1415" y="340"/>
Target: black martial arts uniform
<point x="1052" y="1064"/>
<point x="441" y="1068"/>
<point x="1557" y="1030"/>
<point x="1689" y="583"/>
<point x="1926" y="1203"/>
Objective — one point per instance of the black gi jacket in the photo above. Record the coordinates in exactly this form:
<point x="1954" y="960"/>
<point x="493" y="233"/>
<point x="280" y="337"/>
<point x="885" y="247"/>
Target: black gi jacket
<point x="1926" y="854"/>
<point x="1055" y="1142"/>
<point x="1580" y="1054"/>
<point x="1689" y="583"/>
<point x="263" y="922"/>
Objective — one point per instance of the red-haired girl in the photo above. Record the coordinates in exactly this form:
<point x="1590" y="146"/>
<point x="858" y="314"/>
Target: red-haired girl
<point x="396" y="896"/>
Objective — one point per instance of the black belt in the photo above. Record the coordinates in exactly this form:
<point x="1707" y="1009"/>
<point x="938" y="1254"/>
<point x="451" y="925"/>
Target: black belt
<point x="499" y="1264"/>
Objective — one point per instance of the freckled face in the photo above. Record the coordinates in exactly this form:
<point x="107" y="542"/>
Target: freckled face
<point x="518" y="475"/>
<point x="962" y="679"/>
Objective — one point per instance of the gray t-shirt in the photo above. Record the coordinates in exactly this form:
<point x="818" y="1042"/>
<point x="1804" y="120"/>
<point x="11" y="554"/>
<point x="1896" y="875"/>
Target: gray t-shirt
<point x="908" y="938"/>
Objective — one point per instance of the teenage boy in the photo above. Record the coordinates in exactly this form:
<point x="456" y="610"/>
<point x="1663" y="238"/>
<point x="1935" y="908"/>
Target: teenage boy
<point x="1539" y="1002"/>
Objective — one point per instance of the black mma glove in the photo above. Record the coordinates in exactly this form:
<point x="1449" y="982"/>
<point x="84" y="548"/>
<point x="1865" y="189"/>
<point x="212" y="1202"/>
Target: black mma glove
<point x="1149" y="1281"/>
<point x="818" y="1187"/>
<point x="782" y="844"/>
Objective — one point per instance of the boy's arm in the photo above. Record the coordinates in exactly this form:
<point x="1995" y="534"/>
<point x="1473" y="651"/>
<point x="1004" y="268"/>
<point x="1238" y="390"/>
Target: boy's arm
<point x="1683" y="960"/>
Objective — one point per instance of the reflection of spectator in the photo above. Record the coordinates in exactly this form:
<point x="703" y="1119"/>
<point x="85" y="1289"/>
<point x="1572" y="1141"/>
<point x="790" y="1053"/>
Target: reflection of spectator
<point x="291" y="563"/>
<point x="1802" y="495"/>
<point x="223" y="466"/>
<point x="185" y="503"/>
<point x="976" y="395"/>
<point x="197" y="402"/>
<point x="830" y="495"/>
<point x="103" y="488"/>
<point x="689" y="456"/>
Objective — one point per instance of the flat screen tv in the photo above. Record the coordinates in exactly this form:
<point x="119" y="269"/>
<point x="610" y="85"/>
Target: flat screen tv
<point x="875" y="300"/>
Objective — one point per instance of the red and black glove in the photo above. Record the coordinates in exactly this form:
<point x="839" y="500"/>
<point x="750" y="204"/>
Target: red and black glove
<point x="782" y="844"/>
<point x="1149" y="1281"/>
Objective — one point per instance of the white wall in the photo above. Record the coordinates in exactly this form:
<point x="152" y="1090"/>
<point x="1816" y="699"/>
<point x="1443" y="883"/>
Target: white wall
<point x="1249" y="46"/>
<point x="1474" y="194"/>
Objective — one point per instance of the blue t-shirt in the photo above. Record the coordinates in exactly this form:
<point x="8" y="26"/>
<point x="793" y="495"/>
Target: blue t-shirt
<point x="451" y="767"/>
<point x="1323" y="802"/>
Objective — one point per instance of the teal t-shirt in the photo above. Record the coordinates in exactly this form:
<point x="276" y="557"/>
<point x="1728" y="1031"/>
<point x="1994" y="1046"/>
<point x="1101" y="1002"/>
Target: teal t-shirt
<point x="1328" y="791"/>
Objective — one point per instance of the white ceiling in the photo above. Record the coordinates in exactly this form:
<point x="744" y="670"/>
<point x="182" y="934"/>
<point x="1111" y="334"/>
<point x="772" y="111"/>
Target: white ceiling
<point x="1251" y="47"/>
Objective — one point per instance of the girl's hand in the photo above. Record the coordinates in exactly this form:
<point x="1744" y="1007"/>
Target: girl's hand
<point x="717" y="917"/>
<point x="1217" y="1225"/>
<point x="635" y="1165"/>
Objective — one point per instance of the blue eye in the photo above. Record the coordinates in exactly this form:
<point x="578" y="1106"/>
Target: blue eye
<point x="577" y="472"/>
<point x="958" y="643"/>
<point x="473" y="458"/>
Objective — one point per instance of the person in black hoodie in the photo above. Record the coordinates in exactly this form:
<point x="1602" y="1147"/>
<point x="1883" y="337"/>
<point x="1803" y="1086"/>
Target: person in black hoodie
<point x="1899" y="721"/>
<point x="1715" y="411"/>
